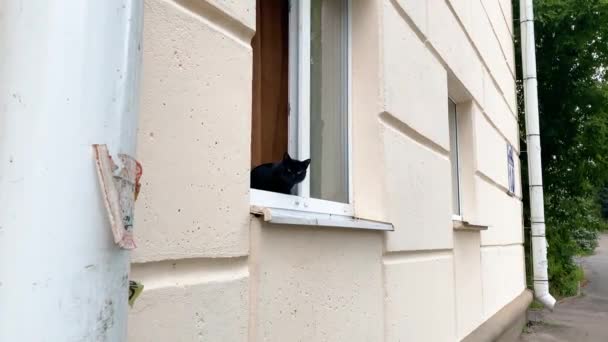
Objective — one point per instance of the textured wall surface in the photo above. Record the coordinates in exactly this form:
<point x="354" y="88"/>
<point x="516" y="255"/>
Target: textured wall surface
<point x="214" y="273"/>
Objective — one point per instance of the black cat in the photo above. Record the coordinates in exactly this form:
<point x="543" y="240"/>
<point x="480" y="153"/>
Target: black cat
<point x="280" y="176"/>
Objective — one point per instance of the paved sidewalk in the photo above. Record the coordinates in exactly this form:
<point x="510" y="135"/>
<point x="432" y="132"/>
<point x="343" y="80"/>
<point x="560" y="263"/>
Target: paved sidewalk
<point x="579" y="319"/>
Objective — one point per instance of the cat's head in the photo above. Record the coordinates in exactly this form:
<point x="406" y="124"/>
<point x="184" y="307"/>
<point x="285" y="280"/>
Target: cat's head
<point x="293" y="171"/>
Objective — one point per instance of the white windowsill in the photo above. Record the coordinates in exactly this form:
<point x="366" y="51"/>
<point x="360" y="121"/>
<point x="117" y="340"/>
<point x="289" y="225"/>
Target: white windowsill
<point x="295" y="210"/>
<point x="307" y="218"/>
<point x="459" y="224"/>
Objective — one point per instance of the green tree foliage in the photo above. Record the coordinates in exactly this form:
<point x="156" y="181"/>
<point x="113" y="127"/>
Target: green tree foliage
<point x="604" y="202"/>
<point x="572" y="56"/>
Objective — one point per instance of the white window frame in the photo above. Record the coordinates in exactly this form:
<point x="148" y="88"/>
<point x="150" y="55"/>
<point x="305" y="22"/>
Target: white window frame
<point x="456" y="216"/>
<point x="299" y="117"/>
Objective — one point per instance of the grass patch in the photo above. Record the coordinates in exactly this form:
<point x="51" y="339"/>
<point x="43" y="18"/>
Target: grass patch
<point x="536" y="305"/>
<point x="564" y="278"/>
<point x="585" y="253"/>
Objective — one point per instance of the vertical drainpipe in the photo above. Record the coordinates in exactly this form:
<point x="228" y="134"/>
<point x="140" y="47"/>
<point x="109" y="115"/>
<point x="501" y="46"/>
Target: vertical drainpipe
<point x="69" y="78"/>
<point x="535" y="175"/>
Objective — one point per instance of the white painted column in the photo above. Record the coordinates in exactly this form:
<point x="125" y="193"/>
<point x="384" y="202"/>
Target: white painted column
<point x="69" y="78"/>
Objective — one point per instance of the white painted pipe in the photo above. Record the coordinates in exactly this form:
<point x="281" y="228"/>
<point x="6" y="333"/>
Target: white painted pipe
<point x="535" y="175"/>
<point x="69" y="78"/>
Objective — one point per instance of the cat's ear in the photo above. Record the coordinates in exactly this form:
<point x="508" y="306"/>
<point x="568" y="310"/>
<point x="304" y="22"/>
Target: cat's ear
<point x="306" y="163"/>
<point x="286" y="156"/>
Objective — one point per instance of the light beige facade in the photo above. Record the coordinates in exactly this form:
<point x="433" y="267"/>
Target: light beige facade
<point x="213" y="272"/>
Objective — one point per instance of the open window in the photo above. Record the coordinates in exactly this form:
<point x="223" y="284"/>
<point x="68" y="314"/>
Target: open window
<point x="301" y="86"/>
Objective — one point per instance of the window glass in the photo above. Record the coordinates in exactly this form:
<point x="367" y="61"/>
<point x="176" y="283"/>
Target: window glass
<point x="453" y="126"/>
<point x="328" y="100"/>
<point x="511" y="168"/>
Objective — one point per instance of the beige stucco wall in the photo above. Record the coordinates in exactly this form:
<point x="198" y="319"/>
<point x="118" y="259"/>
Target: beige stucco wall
<point x="214" y="273"/>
